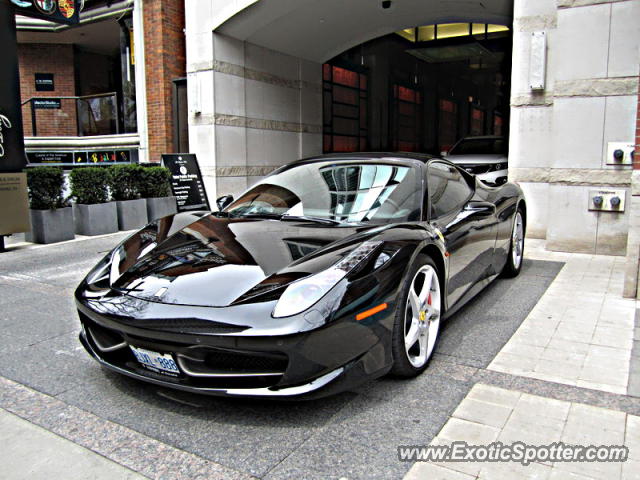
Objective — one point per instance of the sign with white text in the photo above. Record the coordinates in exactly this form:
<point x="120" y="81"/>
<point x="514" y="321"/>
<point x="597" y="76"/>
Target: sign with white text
<point x="44" y="82"/>
<point x="14" y="213"/>
<point x="12" y="157"/>
<point x="186" y="181"/>
<point x="46" y="103"/>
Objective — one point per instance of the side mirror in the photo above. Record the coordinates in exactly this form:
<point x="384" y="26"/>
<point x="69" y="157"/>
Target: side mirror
<point x="224" y="202"/>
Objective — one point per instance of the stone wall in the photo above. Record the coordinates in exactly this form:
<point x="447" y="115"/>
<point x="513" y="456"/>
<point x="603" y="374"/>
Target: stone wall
<point x="251" y="109"/>
<point x="559" y="136"/>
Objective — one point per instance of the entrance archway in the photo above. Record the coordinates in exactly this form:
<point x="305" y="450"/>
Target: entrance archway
<point x="269" y="85"/>
<point x="419" y="90"/>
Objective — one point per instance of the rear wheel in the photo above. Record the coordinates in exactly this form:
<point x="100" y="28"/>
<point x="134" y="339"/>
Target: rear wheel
<point x="417" y="320"/>
<point x="516" y="247"/>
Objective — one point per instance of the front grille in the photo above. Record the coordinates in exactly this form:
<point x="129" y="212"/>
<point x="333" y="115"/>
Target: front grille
<point x="478" y="169"/>
<point x="246" y="362"/>
<point x="207" y="362"/>
<point x="183" y="325"/>
<point x="200" y="366"/>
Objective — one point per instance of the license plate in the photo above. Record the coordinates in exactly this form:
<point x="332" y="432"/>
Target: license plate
<point x="158" y="362"/>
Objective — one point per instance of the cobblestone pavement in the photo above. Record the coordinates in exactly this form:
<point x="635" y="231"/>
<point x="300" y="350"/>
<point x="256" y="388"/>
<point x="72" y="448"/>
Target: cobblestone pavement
<point x="487" y="378"/>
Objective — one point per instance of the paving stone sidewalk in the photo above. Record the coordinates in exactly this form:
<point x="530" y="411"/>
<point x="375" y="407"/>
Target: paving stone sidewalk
<point x="32" y="452"/>
<point x="490" y="414"/>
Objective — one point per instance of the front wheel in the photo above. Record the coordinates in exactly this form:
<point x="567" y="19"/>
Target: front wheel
<point x="417" y="320"/>
<point x="516" y="247"/>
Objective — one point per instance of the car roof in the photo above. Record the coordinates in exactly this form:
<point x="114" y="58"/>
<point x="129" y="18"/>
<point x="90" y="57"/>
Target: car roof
<point x="401" y="157"/>
<point x="420" y="157"/>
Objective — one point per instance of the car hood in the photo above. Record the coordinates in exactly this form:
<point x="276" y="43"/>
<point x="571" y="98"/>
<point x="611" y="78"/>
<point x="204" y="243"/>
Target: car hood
<point x="217" y="262"/>
<point x="477" y="159"/>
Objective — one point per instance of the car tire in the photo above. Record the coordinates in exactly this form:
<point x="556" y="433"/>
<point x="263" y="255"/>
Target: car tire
<point x="515" y="256"/>
<point x="410" y="359"/>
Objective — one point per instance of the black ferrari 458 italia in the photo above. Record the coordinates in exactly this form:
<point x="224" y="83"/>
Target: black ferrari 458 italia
<point x="330" y="271"/>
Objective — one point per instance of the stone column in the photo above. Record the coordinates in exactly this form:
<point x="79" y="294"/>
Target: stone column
<point x="632" y="273"/>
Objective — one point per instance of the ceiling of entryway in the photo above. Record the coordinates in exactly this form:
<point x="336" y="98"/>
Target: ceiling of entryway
<point x="320" y="29"/>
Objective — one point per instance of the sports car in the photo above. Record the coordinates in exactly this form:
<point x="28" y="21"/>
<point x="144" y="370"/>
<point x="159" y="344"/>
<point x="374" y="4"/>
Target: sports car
<point x="330" y="271"/>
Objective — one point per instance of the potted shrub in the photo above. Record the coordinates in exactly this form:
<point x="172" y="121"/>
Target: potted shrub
<point x="124" y="183"/>
<point x="94" y="213"/>
<point x="51" y="216"/>
<point x="155" y="187"/>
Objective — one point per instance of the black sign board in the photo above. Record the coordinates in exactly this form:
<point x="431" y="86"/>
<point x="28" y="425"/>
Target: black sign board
<point x="50" y="157"/>
<point x="186" y="181"/>
<point x="46" y="103"/>
<point x="14" y="213"/>
<point x="44" y="82"/>
<point x="12" y="157"/>
<point x="58" y="11"/>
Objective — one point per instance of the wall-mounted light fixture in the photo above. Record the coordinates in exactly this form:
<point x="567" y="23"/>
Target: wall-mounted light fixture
<point x="538" y="61"/>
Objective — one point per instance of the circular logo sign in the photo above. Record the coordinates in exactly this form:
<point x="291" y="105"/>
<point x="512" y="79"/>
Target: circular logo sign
<point x="183" y="170"/>
<point x="45" y="6"/>
<point x="67" y="8"/>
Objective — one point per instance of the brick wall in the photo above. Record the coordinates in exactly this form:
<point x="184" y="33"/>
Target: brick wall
<point x="164" y="61"/>
<point x="48" y="58"/>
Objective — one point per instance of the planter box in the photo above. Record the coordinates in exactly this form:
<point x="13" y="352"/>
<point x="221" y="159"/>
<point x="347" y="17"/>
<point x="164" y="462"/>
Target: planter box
<point x="51" y="226"/>
<point x="132" y="214"/>
<point x="161" y="207"/>
<point x="97" y="219"/>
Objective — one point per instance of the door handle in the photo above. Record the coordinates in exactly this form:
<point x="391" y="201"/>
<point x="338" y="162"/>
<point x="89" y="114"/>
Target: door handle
<point x="480" y="207"/>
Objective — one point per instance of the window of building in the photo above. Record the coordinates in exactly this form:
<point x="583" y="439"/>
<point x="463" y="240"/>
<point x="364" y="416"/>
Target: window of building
<point x="497" y="124"/>
<point x="442" y="31"/>
<point x="448" y="190"/>
<point x="345" y="109"/>
<point x="477" y="121"/>
<point x="447" y="124"/>
<point x="406" y="116"/>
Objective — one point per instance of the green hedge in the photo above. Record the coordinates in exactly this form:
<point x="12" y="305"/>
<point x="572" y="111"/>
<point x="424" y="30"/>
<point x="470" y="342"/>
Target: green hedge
<point x="125" y="181"/>
<point x="89" y="185"/>
<point x="45" y="188"/>
<point x="155" y="182"/>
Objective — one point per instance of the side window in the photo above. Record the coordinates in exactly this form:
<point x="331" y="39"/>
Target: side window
<point x="447" y="189"/>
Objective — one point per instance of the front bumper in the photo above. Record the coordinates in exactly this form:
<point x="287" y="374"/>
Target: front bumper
<point x="298" y="391"/>
<point x="308" y="364"/>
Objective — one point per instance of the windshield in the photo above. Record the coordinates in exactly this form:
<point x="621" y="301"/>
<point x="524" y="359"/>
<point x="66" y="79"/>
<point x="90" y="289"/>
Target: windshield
<point x="480" y="146"/>
<point x="345" y="192"/>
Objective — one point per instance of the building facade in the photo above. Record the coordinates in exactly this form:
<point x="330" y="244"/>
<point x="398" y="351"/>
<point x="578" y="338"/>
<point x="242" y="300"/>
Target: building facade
<point x="271" y="81"/>
<point x="85" y="90"/>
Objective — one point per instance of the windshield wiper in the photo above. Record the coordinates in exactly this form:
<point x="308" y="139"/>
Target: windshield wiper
<point x="275" y="216"/>
<point x="327" y="221"/>
<point x="285" y="217"/>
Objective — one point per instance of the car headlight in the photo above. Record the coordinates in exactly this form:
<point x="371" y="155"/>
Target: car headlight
<point x="302" y="294"/>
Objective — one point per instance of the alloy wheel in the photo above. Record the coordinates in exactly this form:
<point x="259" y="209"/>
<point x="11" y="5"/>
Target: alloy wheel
<point x="422" y="316"/>
<point x="517" y="241"/>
